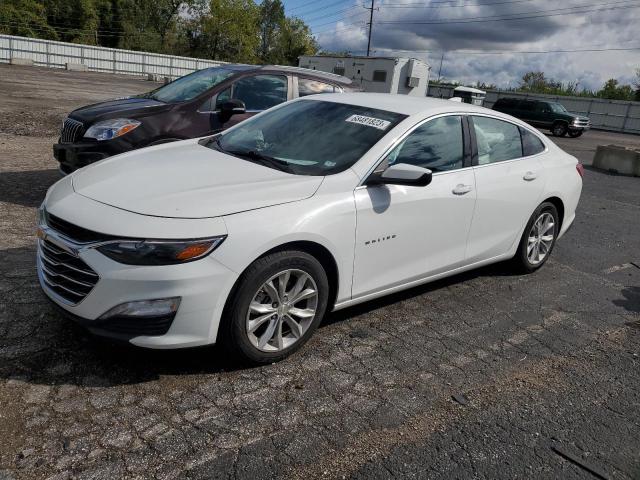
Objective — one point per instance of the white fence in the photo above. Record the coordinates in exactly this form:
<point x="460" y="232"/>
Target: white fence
<point x="48" y="53"/>
<point x="614" y="115"/>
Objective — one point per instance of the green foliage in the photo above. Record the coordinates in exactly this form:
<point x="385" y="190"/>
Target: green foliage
<point x="271" y="22"/>
<point x="295" y="40"/>
<point x="614" y="91"/>
<point x="229" y="30"/>
<point x="536" y="82"/>
<point x="225" y="30"/>
<point x="27" y="18"/>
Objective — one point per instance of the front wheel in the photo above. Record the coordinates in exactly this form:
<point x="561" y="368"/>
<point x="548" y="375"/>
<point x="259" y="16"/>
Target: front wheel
<point x="575" y="133"/>
<point x="538" y="238"/>
<point x="559" y="129"/>
<point x="278" y="303"/>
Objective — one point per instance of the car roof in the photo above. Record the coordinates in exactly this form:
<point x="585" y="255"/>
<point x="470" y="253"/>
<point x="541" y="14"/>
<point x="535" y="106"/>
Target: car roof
<point x="287" y="68"/>
<point x="404" y="104"/>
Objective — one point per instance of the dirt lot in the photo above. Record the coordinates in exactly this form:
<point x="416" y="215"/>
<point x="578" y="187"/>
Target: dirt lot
<point x="548" y="363"/>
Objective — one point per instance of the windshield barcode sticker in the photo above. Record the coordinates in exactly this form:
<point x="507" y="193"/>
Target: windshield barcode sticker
<point x="369" y="121"/>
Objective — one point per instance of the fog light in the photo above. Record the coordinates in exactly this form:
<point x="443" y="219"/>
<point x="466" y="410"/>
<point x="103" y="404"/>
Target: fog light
<point x="161" y="307"/>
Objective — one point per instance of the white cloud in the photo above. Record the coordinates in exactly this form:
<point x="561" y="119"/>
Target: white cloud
<point x="603" y="29"/>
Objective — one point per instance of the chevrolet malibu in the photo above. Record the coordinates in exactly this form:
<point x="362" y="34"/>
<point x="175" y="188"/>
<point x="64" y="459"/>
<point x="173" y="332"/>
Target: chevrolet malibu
<point x="249" y="237"/>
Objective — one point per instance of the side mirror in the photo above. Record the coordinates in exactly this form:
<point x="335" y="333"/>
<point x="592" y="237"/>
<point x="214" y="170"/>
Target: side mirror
<point x="230" y="108"/>
<point x="402" y="174"/>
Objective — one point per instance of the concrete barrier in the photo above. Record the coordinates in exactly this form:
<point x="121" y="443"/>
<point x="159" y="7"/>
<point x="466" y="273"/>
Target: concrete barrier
<point x="612" y="158"/>
<point x="21" y="61"/>
<point x="76" y="67"/>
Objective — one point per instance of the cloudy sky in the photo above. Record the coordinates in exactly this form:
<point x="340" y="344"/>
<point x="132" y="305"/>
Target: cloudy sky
<point x="426" y="29"/>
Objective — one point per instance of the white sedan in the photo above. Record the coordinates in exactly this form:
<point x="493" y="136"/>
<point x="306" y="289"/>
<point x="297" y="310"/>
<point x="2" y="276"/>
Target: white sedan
<point x="248" y="238"/>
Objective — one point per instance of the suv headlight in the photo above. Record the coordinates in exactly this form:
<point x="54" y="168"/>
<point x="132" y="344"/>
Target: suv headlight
<point x="108" y="129"/>
<point x="160" y="252"/>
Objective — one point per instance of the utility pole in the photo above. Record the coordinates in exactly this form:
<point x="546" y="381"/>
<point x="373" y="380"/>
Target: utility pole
<point x="370" y="26"/>
<point x="440" y="69"/>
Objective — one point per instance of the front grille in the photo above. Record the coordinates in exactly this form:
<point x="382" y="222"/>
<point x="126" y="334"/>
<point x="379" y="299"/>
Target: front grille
<point x="72" y="131"/>
<point x="75" y="233"/>
<point x="64" y="273"/>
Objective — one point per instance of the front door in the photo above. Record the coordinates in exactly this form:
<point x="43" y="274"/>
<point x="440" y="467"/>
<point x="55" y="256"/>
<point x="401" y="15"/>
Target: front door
<point x="405" y="233"/>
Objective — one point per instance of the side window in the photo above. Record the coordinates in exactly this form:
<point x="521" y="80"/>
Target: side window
<point x="311" y="87"/>
<point x="223" y="96"/>
<point x="260" y="92"/>
<point x="531" y="144"/>
<point x="436" y="145"/>
<point x="497" y="140"/>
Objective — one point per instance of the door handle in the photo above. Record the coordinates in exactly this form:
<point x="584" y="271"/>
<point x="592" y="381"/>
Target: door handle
<point x="461" y="189"/>
<point x="530" y="176"/>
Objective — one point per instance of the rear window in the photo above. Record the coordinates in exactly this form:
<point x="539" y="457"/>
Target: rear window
<point x="312" y="87"/>
<point x="531" y="144"/>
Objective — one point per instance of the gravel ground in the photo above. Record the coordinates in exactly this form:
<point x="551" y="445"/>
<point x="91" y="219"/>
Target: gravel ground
<point x="484" y="375"/>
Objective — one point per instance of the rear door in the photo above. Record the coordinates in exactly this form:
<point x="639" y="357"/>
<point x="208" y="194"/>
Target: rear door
<point x="509" y="187"/>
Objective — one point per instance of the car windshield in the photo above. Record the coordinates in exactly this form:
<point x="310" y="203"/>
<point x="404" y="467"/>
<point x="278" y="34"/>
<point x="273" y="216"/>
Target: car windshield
<point x="309" y="137"/>
<point x="190" y="86"/>
<point x="557" y="108"/>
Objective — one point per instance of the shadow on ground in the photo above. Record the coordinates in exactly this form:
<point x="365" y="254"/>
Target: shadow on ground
<point x="39" y="345"/>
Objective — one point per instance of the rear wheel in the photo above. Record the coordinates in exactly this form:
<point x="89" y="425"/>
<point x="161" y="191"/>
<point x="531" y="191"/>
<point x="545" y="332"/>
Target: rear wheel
<point x="559" y="129"/>
<point x="279" y="302"/>
<point x="538" y="238"/>
<point x="575" y="133"/>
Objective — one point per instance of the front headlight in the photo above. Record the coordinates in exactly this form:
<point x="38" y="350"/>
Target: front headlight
<point x="160" y="252"/>
<point x="108" y="129"/>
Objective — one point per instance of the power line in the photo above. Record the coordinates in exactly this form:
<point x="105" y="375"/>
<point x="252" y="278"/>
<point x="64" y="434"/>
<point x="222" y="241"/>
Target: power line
<point x="517" y="52"/>
<point x="438" y="4"/>
<point x="515" y="16"/>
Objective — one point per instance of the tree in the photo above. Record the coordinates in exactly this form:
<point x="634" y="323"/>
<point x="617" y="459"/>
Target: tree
<point x="26" y="18"/>
<point x="613" y="91"/>
<point x="271" y="22"/>
<point x="295" y="39"/>
<point x="636" y="84"/>
<point x="227" y="30"/>
<point x="74" y="20"/>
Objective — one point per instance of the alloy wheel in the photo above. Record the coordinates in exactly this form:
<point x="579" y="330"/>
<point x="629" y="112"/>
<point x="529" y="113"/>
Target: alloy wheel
<point x="541" y="238"/>
<point x="282" y="310"/>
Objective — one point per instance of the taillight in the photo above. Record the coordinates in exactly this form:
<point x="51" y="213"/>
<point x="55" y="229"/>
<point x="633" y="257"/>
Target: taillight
<point x="580" y="170"/>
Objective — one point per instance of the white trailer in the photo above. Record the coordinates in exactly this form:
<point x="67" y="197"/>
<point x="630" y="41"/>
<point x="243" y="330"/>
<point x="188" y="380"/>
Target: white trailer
<point x="407" y="76"/>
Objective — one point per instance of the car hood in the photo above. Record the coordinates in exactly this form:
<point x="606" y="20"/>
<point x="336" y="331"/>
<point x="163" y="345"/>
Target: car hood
<point x="187" y="180"/>
<point x="117" y="108"/>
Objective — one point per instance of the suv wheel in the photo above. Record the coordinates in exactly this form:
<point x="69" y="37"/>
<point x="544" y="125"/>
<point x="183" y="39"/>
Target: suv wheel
<point x="279" y="302"/>
<point x="559" y="129"/>
<point x="575" y="133"/>
<point x="538" y="238"/>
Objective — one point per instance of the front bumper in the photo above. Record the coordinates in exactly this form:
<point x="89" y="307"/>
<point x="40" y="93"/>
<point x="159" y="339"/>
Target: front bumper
<point x="203" y="286"/>
<point x="73" y="156"/>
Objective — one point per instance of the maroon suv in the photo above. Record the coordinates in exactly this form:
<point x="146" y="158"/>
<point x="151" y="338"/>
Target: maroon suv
<point x="199" y="104"/>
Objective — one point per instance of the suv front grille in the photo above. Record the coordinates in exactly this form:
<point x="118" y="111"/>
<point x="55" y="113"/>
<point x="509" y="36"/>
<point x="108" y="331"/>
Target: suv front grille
<point x="65" y="274"/>
<point x="72" y="131"/>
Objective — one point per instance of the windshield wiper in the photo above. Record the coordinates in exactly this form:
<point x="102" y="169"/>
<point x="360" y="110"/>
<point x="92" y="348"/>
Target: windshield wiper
<point x="257" y="157"/>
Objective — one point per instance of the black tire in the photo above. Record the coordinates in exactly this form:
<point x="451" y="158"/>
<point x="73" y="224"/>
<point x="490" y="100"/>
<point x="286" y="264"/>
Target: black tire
<point x="559" y="129"/>
<point x="521" y="259"/>
<point x="233" y="335"/>
<point x="575" y="133"/>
